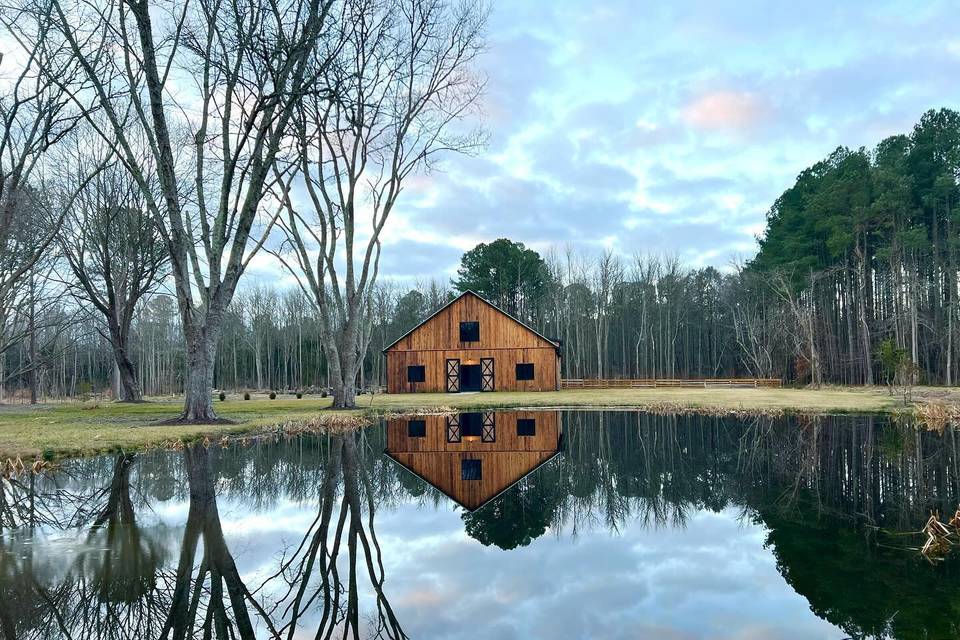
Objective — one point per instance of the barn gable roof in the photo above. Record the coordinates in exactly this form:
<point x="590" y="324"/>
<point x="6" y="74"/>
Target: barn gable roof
<point x="482" y="299"/>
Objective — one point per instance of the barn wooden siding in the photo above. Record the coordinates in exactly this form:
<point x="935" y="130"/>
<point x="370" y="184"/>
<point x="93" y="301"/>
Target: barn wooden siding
<point x="502" y="338"/>
<point x="504" y="462"/>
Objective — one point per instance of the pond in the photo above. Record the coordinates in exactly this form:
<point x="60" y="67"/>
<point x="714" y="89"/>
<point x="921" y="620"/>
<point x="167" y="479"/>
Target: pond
<point x="541" y="524"/>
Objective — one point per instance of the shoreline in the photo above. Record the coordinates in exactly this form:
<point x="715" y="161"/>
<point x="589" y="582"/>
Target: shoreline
<point x="72" y="429"/>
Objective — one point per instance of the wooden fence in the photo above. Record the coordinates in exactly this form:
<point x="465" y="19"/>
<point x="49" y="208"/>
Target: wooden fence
<point x="667" y="383"/>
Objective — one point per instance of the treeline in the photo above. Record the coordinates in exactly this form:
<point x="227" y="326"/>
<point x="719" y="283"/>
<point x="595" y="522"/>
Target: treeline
<point x="658" y="319"/>
<point x="863" y="249"/>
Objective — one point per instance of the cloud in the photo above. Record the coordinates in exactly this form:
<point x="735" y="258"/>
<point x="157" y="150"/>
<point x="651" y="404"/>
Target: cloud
<point x="725" y="111"/>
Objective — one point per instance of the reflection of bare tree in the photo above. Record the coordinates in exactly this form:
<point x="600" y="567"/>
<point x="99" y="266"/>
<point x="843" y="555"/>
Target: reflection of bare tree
<point x="30" y="499"/>
<point x="118" y="578"/>
<point x="123" y="569"/>
<point x="311" y="573"/>
<point x="215" y="572"/>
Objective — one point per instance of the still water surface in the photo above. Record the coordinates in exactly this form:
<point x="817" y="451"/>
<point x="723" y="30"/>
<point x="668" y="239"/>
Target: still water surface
<point x="513" y="525"/>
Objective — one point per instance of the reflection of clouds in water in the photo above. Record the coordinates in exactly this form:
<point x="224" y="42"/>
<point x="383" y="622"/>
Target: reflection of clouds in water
<point x="712" y="579"/>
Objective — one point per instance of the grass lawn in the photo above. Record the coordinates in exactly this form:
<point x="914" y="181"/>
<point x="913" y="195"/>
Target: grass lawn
<point x="86" y="428"/>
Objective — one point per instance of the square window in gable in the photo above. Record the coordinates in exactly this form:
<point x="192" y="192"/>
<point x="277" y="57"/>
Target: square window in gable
<point x="471" y="470"/>
<point x="469" y="332"/>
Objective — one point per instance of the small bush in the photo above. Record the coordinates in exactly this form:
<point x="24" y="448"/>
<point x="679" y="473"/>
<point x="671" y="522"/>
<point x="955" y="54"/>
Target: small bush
<point x="49" y="455"/>
<point x="299" y="395"/>
<point x="273" y="395"/>
<point x="246" y="395"/>
<point x="223" y="396"/>
<point x="323" y="394"/>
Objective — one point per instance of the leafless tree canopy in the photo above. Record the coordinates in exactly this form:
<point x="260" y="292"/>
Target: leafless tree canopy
<point x="114" y="252"/>
<point x="210" y="87"/>
<point x="399" y="82"/>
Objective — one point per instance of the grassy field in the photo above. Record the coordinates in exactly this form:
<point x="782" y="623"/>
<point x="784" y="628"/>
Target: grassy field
<point x="85" y="428"/>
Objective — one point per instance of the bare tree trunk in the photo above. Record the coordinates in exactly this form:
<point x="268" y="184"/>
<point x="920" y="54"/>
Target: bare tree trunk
<point x="126" y="371"/>
<point x="865" y="290"/>
<point x="343" y="367"/>
<point x="129" y="387"/>
<point x="198" y="381"/>
<point x="32" y="373"/>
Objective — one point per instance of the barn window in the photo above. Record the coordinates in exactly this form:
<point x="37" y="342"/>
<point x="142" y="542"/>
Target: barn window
<point x="471" y="470"/>
<point x="469" y="332"/>
<point x="526" y="427"/>
<point x="417" y="429"/>
<point x="416" y="373"/>
<point x="524" y="371"/>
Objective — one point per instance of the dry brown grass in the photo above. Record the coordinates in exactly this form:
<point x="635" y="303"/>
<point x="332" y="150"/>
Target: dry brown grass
<point x="937" y="416"/>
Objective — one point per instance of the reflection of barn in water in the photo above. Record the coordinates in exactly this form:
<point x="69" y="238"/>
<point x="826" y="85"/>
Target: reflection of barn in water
<point x="474" y="457"/>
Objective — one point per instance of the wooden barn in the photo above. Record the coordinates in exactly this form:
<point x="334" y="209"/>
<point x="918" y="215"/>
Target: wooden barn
<point x="472" y="345"/>
<point x="474" y="457"/>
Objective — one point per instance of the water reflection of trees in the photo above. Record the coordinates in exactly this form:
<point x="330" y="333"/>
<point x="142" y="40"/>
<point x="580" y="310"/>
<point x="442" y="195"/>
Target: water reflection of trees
<point x="122" y="584"/>
<point x="824" y="488"/>
<point x="113" y="587"/>
<point x="819" y="486"/>
<point x="620" y="467"/>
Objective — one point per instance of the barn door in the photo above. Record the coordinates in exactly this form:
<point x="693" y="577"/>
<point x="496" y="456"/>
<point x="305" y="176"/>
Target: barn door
<point x="453" y="376"/>
<point x="486" y="374"/>
<point x="453" y="428"/>
<point x="488" y="430"/>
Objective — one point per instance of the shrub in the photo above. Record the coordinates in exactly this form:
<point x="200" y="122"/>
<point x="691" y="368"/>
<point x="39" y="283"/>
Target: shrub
<point x="246" y="395"/>
<point x="49" y="455"/>
<point x="323" y="394"/>
<point x="299" y="395"/>
<point x="223" y="396"/>
<point x="273" y="395"/>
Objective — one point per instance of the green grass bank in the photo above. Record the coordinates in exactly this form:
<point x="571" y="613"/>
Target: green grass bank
<point x="76" y="428"/>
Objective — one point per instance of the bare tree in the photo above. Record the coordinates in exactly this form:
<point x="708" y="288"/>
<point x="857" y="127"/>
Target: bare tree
<point x="801" y="305"/>
<point x="607" y="276"/>
<point x="213" y="146"/>
<point x="400" y="82"/>
<point x="17" y="284"/>
<point x="114" y="249"/>
<point x="36" y="113"/>
<point x="756" y="325"/>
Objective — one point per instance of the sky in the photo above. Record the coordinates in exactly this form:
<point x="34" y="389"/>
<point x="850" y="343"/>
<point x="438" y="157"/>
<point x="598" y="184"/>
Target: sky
<point x="668" y="128"/>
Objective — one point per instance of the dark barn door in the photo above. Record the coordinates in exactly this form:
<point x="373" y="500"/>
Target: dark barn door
<point x="453" y="376"/>
<point x="486" y="374"/>
<point x="470" y="377"/>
